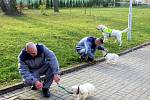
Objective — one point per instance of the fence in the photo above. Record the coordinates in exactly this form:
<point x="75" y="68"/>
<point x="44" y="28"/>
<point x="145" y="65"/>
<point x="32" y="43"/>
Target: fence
<point x="80" y="3"/>
<point x="67" y="3"/>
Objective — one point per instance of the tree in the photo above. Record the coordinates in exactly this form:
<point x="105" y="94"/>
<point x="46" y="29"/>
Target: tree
<point x="47" y="4"/>
<point x="29" y="4"/>
<point x="51" y="3"/>
<point x="9" y="7"/>
<point x="61" y="3"/>
<point x="56" y="3"/>
<point x="67" y="3"/>
<point x="36" y="5"/>
<point x="40" y="2"/>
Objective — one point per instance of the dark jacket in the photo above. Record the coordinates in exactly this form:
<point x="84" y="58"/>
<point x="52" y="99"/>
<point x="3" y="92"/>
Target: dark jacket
<point x="88" y="43"/>
<point x="27" y="63"/>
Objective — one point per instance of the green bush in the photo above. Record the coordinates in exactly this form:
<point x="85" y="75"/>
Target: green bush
<point x="43" y="9"/>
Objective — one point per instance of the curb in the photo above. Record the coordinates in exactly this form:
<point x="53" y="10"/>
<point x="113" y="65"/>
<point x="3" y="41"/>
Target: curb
<point x="72" y="69"/>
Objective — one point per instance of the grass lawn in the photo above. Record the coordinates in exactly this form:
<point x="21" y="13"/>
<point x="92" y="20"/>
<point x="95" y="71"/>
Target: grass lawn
<point x="61" y="32"/>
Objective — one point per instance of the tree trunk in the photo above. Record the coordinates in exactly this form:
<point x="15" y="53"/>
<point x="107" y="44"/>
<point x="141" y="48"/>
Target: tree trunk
<point x="56" y="4"/>
<point x="9" y="7"/>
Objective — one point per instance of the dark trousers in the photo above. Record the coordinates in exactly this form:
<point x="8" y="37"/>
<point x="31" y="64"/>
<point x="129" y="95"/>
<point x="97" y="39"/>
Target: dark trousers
<point x="44" y="70"/>
<point x="81" y="52"/>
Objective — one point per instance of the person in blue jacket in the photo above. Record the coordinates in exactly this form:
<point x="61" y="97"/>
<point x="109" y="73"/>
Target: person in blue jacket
<point x="87" y="46"/>
<point x="36" y="60"/>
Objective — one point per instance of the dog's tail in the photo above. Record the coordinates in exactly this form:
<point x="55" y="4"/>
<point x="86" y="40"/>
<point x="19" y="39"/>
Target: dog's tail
<point x="125" y="30"/>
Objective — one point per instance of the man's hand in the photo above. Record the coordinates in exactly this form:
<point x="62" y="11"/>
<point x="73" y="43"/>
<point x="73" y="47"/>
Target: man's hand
<point x="56" y="78"/>
<point x="105" y="50"/>
<point x="38" y="85"/>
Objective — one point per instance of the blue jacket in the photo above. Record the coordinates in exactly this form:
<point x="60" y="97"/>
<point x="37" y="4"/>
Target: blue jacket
<point x="88" y="43"/>
<point x="27" y="63"/>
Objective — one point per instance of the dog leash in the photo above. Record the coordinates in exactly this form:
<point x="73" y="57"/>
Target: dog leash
<point x="62" y="87"/>
<point x="78" y="91"/>
<point x="105" y="54"/>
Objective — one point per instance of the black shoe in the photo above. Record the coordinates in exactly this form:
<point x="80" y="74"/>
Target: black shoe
<point x="33" y="87"/>
<point x="46" y="92"/>
<point x="82" y="58"/>
<point x="90" y="59"/>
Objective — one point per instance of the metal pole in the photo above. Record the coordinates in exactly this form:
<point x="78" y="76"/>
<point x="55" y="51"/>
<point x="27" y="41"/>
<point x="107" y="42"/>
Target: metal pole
<point x="130" y="21"/>
<point x="114" y="3"/>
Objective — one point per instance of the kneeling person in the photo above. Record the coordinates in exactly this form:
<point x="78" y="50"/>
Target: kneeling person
<point x="87" y="46"/>
<point x="35" y="61"/>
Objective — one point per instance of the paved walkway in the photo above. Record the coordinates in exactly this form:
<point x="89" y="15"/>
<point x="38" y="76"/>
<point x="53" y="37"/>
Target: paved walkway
<point x="128" y="80"/>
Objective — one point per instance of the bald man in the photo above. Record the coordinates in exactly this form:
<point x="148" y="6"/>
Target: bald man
<point x="36" y="60"/>
<point x="87" y="46"/>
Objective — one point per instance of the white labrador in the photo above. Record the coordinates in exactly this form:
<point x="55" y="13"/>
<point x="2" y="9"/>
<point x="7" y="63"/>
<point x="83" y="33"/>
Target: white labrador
<point x="112" y="32"/>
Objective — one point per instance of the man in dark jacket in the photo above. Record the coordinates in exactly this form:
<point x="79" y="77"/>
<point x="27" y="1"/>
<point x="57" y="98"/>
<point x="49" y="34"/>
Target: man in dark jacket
<point x="87" y="46"/>
<point x="35" y="61"/>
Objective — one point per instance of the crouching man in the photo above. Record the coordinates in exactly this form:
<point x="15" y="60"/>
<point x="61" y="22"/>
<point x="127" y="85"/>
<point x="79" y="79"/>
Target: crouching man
<point x="37" y="60"/>
<point x="87" y="46"/>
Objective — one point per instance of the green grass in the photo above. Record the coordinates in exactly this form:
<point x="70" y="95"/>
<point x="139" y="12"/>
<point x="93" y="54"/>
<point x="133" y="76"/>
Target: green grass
<point x="61" y="32"/>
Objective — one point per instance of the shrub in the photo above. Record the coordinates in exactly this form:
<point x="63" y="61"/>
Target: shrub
<point x="43" y="9"/>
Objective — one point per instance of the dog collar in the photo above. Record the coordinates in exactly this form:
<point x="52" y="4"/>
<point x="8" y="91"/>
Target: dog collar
<point x="105" y="54"/>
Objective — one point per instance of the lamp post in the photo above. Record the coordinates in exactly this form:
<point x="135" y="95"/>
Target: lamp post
<point x="130" y="21"/>
<point x="114" y="3"/>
